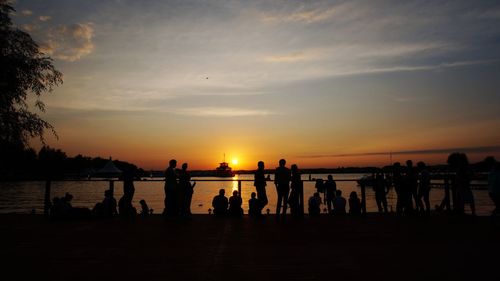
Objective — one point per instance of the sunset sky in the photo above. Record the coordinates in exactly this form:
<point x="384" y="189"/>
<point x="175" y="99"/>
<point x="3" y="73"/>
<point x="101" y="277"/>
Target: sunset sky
<point x="320" y="83"/>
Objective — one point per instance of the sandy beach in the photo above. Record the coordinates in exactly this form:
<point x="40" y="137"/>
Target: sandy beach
<point x="206" y="248"/>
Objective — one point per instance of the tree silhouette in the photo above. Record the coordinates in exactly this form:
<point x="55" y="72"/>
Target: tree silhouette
<point x="26" y="72"/>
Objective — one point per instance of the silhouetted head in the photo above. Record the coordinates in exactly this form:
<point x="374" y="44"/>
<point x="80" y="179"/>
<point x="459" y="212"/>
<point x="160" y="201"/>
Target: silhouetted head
<point x="282" y="162"/>
<point x="330" y="177"/>
<point x="68" y="197"/>
<point x="409" y="163"/>
<point x="235" y="192"/>
<point x="253" y="195"/>
<point x="458" y="161"/>
<point x="421" y="165"/>
<point x="107" y="193"/>
<point x="172" y="163"/>
<point x="490" y="162"/>
<point x="294" y="168"/>
<point x="353" y="195"/>
<point x="316" y="194"/>
<point x="260" y="165"/>
<point x="184" y="166"/>
<point x="143" y="203"/>
<point x="338" y="192"/>
<point x="397" y="165"/>
<point x="222" y="191"/>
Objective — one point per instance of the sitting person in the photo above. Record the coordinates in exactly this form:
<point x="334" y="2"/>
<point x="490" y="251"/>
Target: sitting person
<point x="145" y="211"/>
<point x="220" y="203"/>
<point x="354" y="204"/>
<point x="108" y="206"/>
<point x="254" y="205"/>
<point x="314" y="204"/>
<point x="339" y="203"/>
<point x="62" y="209"/>
<point x="235" y="202"/>
<point x="125" y="207"/>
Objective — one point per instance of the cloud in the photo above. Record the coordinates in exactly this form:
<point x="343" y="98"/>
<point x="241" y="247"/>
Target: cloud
<point x="221" y="112"/>
<point x="28" y="27"/>
<point x="69" y="42"/>
<point x="44" y="18"/>
<point x="474" y="149"/>
<point x="290" y="57"/>
<point x="301" y="15"/>
<point x="27" y="13"/>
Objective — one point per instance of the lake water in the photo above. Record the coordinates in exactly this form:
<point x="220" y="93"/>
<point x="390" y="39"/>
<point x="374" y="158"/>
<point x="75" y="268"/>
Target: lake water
<point x="23" y="197"/>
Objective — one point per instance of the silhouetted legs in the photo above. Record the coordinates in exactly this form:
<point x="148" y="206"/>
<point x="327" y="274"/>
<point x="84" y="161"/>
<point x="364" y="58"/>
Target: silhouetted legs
<point x="381" y="202"/>
<point x="262" y="197"/>
<point x="283" y="191"/>
<point x="424" y="195"/>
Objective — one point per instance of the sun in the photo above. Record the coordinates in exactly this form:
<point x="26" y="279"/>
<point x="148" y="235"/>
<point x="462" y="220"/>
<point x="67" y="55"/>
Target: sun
<point x="234" y="161"/>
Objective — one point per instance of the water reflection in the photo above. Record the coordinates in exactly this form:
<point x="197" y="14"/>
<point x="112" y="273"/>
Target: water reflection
<point x="22" y="197"/>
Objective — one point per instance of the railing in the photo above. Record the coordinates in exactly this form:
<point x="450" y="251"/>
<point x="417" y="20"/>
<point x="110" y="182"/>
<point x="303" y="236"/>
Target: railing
<point x="446" y="185"/>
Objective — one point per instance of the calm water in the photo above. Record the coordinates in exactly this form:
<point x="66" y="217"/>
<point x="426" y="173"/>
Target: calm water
<point x="23" y="197"/>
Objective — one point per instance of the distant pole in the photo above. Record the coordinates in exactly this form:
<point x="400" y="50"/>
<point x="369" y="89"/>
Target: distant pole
<point x="112" y="187"/>
<point x="46" y="203"/>
<point x="239" y="188"/>
<point x="363" y="198"/>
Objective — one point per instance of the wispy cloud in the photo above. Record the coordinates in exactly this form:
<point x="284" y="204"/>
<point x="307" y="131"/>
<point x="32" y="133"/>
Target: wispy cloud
<point x="69" y="42"/>
<point x="27" y="13"/>
<point x="474" y="149"/>
<point x="301" y="14"/>
<point x="44" y="18"/>
<point x="221" y="112"/>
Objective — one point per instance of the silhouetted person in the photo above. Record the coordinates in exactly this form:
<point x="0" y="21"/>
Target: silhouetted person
<point x="330" y="189"/>
<point x="260" y="186"/>
<point x="460" y="163"/>
<point x="424" y="188"/>
<point x="171" y="176"/>
<point x="62" y="209"/>
<point x="282" y="181"/>
<point x="220" y="204"/>
<point x="320" y="188"/>
<point x="339" y="203"/>
<point x="254" y="209"/>
<point x="380" y="188"/>
<point x="354" y="204"/>
<point x="494" y="185"/>
<point x="106" y="208"/>
<point x="411" y="187"/>
<point x="296" y="192"/>
<point x="235" y="202"/>
<point x="314" y="204"/>
<point x="125" y="206"/>
<point x="145" y="211"/>
<point x="186" y="190"/>
<point x="398" y="184"/>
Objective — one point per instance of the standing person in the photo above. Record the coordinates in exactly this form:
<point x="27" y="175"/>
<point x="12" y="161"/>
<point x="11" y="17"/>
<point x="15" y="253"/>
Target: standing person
<point x="185" y="190"/>
<point x="125" y="203"/>
<point x="494" y="185"/>
<point x="260" y="186"/>
<point x="398" y="184"/>
<point x="460" y="163"/>
<point x="282" y="181"/>
<point x="411" y="187"/>
<point x="296" y="193"/>
<point x="424" y="188"/>
<point x="330" y="189"/>
<point x="380" y="188"/>
<point x="171" y="176"/>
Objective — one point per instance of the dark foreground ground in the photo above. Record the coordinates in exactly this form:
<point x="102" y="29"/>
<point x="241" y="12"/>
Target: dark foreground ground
<point x="205" y="248"/>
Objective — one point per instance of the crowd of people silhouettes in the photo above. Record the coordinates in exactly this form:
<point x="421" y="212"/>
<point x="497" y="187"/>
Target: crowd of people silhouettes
<point x="412" y="186"/>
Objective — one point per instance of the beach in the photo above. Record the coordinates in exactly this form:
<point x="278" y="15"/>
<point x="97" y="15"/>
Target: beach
<point x="206" y="248"/>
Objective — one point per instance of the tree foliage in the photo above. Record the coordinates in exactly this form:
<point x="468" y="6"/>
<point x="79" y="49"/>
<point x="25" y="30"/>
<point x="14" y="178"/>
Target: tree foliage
<point x="25" y="74"/>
